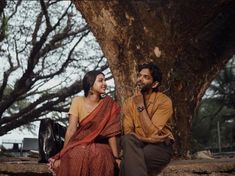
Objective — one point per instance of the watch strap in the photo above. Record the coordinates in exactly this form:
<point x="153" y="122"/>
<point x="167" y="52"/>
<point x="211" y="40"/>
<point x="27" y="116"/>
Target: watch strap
<point x="140" y="108"/>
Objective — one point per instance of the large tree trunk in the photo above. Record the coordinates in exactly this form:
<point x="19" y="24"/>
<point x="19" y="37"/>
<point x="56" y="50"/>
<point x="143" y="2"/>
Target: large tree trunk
<point x="189" y="40"/>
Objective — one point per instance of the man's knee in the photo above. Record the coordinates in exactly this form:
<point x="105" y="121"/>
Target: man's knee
<point x="126" y="139"/>
<point x="157" y="157"/>
<point x="129" y="139"/>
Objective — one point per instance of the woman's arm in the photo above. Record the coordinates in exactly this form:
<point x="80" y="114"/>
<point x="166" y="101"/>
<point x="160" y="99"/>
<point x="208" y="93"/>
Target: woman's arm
<point x="72" y="127"/>
<point x="113" y="145"/>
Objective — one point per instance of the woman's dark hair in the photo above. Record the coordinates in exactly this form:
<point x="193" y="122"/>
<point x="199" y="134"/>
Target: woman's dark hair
<point x="89" y="80"/>
<point x="154" y="71"/>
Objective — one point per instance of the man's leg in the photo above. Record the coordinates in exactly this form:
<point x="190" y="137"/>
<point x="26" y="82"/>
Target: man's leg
<point x="133" y="163"/>
<point x="157" y="156"/>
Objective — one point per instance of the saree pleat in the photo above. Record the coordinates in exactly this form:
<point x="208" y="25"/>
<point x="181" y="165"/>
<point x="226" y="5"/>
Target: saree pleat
<point x="82" y="156"/>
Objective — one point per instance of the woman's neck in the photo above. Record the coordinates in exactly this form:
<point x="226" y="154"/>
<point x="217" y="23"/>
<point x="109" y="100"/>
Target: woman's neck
<point x="93" y="98"/>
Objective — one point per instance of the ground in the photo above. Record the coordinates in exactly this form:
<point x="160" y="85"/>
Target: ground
<point x="28" y="166"/>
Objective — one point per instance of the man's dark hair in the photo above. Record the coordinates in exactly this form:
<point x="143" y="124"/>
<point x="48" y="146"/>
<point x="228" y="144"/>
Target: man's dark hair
<point x="89" y="80"/>
<point x="154" y="71"/>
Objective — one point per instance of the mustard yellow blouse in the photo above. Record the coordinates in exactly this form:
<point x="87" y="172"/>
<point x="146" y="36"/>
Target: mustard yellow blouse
<point x="77" y="108"/>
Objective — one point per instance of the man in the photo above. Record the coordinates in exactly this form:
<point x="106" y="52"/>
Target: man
<point x="147" y="141"/>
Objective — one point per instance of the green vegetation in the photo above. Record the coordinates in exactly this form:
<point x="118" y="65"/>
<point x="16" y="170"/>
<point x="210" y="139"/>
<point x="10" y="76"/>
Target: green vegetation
<point x="215" y="117"/>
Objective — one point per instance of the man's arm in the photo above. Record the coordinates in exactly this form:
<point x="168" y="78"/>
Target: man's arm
<point x="127" y="122"/>
<point x="154" y="138"/>
<point x="163" y="113"/>
<point x="160" y="117"/>
<point x="155" y="134"/>
<point x="145" y="121"/>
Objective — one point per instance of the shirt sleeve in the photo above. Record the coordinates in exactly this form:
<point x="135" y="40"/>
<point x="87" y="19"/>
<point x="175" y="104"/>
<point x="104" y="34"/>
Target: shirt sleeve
<point x="127" y="122"/>
<point x="74" y="110"/>
<point x="163" y="113"/>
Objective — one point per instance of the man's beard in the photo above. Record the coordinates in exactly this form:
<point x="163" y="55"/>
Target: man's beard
<point x="143" y="87"/>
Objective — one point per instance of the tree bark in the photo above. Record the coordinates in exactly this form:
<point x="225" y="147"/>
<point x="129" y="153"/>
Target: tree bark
<point x="3" y="4"/>
<point x="189" y="40"/>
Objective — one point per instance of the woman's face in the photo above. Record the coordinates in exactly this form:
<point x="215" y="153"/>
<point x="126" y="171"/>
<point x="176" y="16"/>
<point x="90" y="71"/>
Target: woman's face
<point x="99" y="84"/>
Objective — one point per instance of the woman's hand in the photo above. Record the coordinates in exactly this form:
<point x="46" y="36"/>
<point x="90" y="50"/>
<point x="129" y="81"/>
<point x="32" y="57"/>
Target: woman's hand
<point x="118" y="162"/>
<point x="56" y="164"/>
<point x="53" y="165"/>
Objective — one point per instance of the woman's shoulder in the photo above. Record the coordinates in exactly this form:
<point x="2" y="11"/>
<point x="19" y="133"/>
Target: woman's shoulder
<point x="77" y="99"/>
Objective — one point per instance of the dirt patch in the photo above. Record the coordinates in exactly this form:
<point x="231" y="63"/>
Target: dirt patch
<point x="26" y="166"/>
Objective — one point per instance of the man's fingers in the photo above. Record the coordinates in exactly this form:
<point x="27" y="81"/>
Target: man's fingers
<point x="132" y="133"/>
<point x="166" y="135"/>
<point x="136" y="90"/>
<point x="161" y="136"/>
<point x="156" y="132"/>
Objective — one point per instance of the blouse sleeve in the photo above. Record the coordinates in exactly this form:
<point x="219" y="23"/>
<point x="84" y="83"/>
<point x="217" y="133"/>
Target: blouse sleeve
<point x="74" y="107"/>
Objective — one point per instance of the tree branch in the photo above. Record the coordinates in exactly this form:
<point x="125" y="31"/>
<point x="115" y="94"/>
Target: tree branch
<point x="16" y="8"/>
<point x="65" y="64"/>
<point x="59" y="95"/>
<point x="37" y="27"/>
<point x="45" y="12"/>
<point x="25" y="82"/>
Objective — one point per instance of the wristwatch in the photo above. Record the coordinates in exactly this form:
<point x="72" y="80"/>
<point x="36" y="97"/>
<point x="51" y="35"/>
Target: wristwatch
<point x="140" y="108"/>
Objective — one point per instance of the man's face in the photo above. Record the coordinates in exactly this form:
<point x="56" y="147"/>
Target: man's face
<point x="144" y="80"/>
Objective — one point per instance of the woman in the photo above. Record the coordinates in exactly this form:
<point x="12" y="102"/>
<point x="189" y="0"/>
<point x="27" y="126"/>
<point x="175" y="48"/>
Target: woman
<point x="90" y="147"/>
